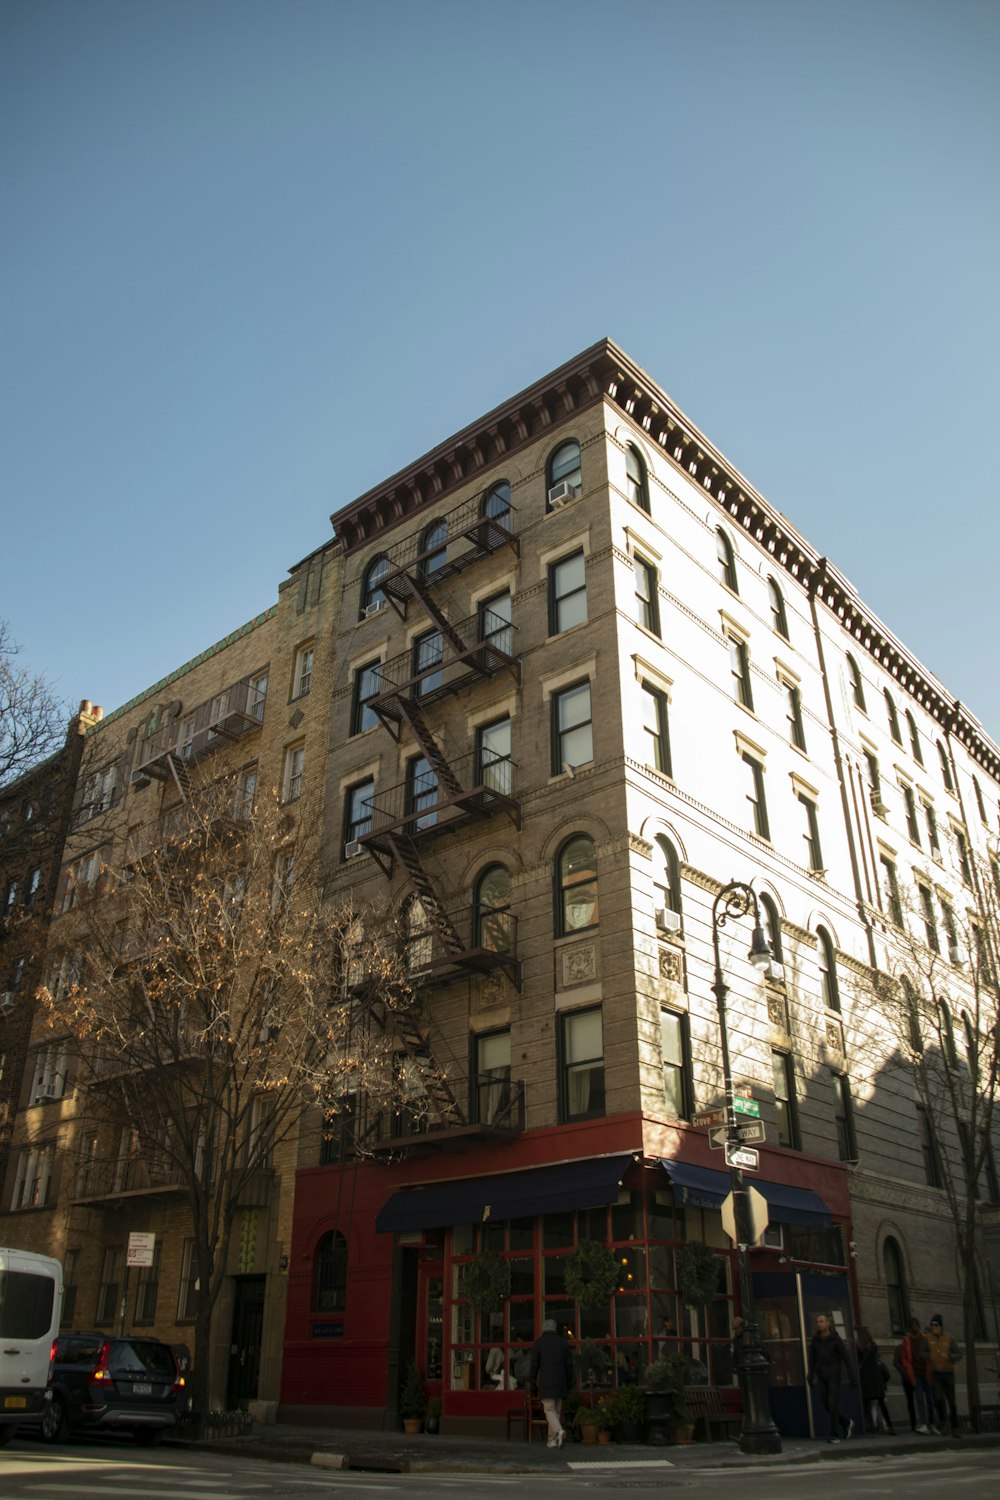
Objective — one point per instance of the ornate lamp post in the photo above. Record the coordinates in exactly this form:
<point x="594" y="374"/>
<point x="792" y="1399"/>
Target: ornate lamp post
<point x="759" y="1434"/>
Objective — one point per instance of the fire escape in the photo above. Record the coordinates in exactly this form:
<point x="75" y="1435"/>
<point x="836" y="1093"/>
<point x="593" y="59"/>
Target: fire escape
<point x="169" y="753"/>
<point x="440" y="793"/>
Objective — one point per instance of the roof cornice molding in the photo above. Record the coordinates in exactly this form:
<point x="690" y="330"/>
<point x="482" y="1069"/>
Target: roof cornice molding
<point x="604" y="371"/>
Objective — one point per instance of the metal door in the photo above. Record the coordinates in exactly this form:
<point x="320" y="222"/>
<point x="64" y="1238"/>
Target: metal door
<point x="244" y="1348"/>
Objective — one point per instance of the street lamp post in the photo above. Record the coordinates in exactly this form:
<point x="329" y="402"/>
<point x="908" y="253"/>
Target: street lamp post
<point x="759" y="1434"/>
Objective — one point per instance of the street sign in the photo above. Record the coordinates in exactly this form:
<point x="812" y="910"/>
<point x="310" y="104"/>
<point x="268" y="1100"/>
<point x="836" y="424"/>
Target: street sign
<point x="709" y="1117"/>
<point x="753" y="1130"/>
<point x="744" y="1157"/>
<point x="746" y="1106"/>
<point x="757" y="1205"/>
<point x="141" y="1248"/>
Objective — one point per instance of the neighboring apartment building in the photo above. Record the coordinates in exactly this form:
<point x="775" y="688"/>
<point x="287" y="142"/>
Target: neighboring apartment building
<point x="35" y="814"/>
<point x="250" y="708"/>
<point x="585" y="676"/>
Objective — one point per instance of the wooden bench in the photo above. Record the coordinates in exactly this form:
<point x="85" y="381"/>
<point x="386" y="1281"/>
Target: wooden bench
<point x="531" y="1413"/>
<point x="705" y="1406"/>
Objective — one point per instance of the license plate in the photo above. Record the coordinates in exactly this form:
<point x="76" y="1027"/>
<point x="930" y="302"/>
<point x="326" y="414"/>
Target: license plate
<point x="15" y="1403"/>
<point x="142" y="1388"/>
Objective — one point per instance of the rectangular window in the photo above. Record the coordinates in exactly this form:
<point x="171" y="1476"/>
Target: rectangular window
<point x="739" y="667"/>
<point x="676" y="1056"/>
<point x="784" y="1100"/>
<point x="33" y="1178"/>
<point x="755" y="795"/>
<point x="843" y="1114"/>
<point x="890" y="889"/>
<point x="926" y="900"/>
<point x="656" y="729"/>
<point x="814" y="852"/>
<point x="962" y="855"/>
<point x="243" y="796"/>
<point x="291" y="785"/>
<point x="10" y="895"/>
<point x="933" y="837"/>
<point x="793" y="713"/>
<point x="32" y="888"/>
<point x="367" y="686"/>
<point x="187" y="1295"/>
<point x="910" y="803"/>
<point x="572" y="728"/>
<point x="950" y="931"/>
<point x="110" y="1285"/>
<point x="493" y="762"/>
<point x="100" y="791"/>
<point x="421" y="791"/>
<point x="567" y="593"/>
<point x="302" y="675"/>
<point x="147" y="1289"/>
<point x="495" y="628"/>
<point x="491" y="1099"/>
<point x="874" y="782"/>
<point x="257" y="695"/>
<point x="428" y="654"/>
<point x="647" y="605"/>
<point x="71" y="1276"/>
<point x="929" y="1149"/>
<point x="80" y="878"/>
<point x="582" y="1092"/>
<point x="357" y="810"/>
<point x="51" y="1068"/>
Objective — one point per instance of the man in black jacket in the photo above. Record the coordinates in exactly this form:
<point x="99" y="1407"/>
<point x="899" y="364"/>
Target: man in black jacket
<point x="829" y="1361"/>
<point x="552" y="1372"/>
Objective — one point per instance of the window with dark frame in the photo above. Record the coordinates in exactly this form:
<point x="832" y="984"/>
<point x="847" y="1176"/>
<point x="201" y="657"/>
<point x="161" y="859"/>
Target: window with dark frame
<point x="933" y="836"/>
<point x="367" y="686"/>
<point x="357" y="809"/>
<point x="656" y="728"/>
<point x="495" y="616"/>
<point x="109" y="1286"/>
<point x="929" y="1152"/>
<point x="434" y="549"/>
<point x="675" y="1052"/>
<point x="147" y="1289"/>
<point x="582" y="1056"/>
<point x="916" y="749"/>
<point x="726" y="559"/>
<point x="493" y="928"/>
<point x="890" y="889"/>
<point x="302" y="674"/>
<point x="576" y="882"/>
<point x="494" y="769"/>
<point x="428" y="654"/>
<point x="496" y="504"/>
<point x="946" y="776"/>
<point x="567" y="593"/>
<point x="647" y="606"/>
<point x="755" y="795"/>
<point x="895" y="1287"/>
<point x="772" y="927"/>
<point x="910" y="804"/>
<point x="874" y="781"/>
<point x="814" y="852"/>
<point x="892" y="717"/>
<point x="779" y="618"/>
<point x="927" y="912"/>
<point x="565" y="467"/>
<point x="372" y="595"/>
<point x="491" y="1089"/>
<point x="421" y="791"/>
<point x="739" y="668"/>
<point x="857" y="684"/>
<point x="843" y="1116"/>
<point x="785" y="1105"/>
<point x="793" y="713"/>
<point x="829" y="987"/>
<point x="330" y="1274"/>
<point x="962" y="855"/>
<point x="636" y="478"/>
<point x="572" y="728"/>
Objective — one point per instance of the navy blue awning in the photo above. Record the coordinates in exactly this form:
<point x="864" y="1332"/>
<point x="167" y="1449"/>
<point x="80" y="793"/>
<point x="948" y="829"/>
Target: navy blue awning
<point x="700" y="1187"/>
<point x="508" y="1195"/>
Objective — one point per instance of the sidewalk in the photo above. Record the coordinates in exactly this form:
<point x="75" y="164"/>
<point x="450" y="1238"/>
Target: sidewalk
<point x="400" y="1453"/>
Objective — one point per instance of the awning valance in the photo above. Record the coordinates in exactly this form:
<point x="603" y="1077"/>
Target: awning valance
<point x="702" y="1188"/>
<point x="508" y="1195"/>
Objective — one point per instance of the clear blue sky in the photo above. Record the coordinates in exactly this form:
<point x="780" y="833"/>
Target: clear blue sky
<point x="258" y="254"/>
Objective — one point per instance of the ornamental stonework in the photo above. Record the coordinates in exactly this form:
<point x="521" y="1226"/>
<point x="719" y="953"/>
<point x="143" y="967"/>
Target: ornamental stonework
<point x="578" y="965"/>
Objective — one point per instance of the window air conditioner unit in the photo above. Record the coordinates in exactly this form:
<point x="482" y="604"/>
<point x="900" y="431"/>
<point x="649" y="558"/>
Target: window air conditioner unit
<point x="561" y="494"/>
<point x="667" y="920"/>
<point x="353" y="849"/>
<point x="374" y="609"/>
<point x="44" y="1092"/>
<point x="7" y="1000"/>
<point x="956" y="954"/>
<point x="878" y="806"/>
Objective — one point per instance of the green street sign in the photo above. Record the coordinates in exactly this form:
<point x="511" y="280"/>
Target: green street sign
<point x="746" y="1106"/>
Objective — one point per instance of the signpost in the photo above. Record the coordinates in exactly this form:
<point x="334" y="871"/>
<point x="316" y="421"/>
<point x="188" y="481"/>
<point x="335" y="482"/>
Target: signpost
<point x="709" y="1117"/>
<point x="757" y="1206"/>
<point x="746" y="1106"/>
<point x="744" y="1157"/>
<point x="752" y="1131"/>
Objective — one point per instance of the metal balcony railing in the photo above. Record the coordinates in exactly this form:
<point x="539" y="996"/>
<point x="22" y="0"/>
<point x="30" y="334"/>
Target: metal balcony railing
<point x="437" y="666"/>
<point x="114" y="1176"/>
<point x="496" y="1112"/>
<point x="237" y="711"/>
<point x="470" y="535"/>
<point x="424" y="803"/>
<point x="491" y="943"/>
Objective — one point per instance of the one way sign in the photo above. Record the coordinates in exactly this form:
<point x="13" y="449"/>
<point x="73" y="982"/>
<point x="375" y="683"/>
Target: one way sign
<point x="752" y="1131"/>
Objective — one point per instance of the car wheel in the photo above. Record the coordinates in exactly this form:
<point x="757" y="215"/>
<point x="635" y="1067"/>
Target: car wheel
<point x="148" y="1437"/>
<point x="55" y="1423"/>
<point x="7" y="1432"/>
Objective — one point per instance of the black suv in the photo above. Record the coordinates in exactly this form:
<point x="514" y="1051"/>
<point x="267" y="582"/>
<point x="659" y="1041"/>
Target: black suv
<point x="130" y="1384"/>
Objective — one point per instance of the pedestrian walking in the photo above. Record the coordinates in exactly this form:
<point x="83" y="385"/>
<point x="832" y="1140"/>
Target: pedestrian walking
<point x="829" y="1362"/>
<point x="873" y="1377"/>
<point x="944" y="1355"/>
<point x="552" y="1372"/>
<point x="912" y="1360"/>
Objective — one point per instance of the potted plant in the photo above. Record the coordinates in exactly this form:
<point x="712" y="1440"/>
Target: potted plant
<point x="631" y="1413"/>
<point x="571" y="1412"/>
<point x="606" y="1415"/>
<point x="432" y="1421"/>
<point x="593" y="1363"/>
<point x="666" y="1405"/>
<point x="678" y="1415"/>
<point x="412" y="1399"/>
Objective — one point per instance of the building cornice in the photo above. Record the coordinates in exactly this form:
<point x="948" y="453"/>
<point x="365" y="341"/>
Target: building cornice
<point x="606" y="372"/>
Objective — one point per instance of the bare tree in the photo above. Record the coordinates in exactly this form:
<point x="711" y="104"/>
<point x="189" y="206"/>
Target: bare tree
<point x="32" y="719"/>
<point x="940" y="1013"/>
<point x="214" y="998"/>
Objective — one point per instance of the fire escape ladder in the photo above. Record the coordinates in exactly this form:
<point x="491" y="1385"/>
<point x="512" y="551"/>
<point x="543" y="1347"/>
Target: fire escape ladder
<point x="405" y="851"/>
<point x="411" y="715"/>
<point x="448" y="631"/>
<point x="432" y="1079"/>
<point x="182" y="776"/>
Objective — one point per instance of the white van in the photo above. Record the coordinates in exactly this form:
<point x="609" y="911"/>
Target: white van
<point x="31" y="1290"/>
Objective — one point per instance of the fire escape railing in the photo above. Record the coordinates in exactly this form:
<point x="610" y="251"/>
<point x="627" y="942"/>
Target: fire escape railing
<point x="470" y="536"/>
<point x="235" y="712"/>
<point x="458" y="664"/>
<point x="425" y="803"/>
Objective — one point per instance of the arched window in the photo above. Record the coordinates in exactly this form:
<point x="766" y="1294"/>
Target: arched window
<point x="857" y="686"/>
<point x="666" y="883"/>
<point x="971" y="1050"/>
<point x="946" y="1032"/>
<point x="895" y="1287"/>
<point x="565" y="469"/>
<point x="636" y="479"/>
<point x="372" y="597"/>
<point x="829" y="989"/>
<point x="893" y="717"/>
<point x="772" y="927"/>
<point x="496" y="505"/>
<point x="434" y="548"/>
<point x="576" y="883"/>
<point x="915" y="745"/>
<point x="980" y="804"/>
<point x="491" y="908"/>
<point x="778" y="617"/>
<point x="911" y="1012"/>
<point x="330" y="1274"/>
<point x="946" y="775"/>
<point x="726" y="559"/>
